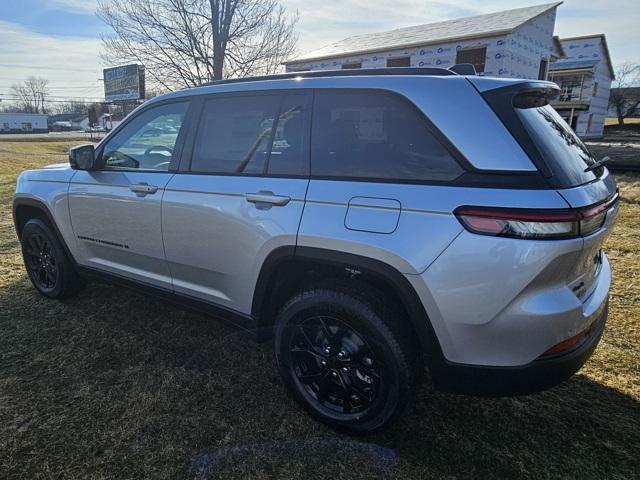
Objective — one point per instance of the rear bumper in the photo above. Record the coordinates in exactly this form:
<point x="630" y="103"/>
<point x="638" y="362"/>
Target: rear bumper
<point x="536" y="376"/>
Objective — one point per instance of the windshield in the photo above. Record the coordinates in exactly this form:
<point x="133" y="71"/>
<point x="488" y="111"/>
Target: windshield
<point x="560" y="147"/>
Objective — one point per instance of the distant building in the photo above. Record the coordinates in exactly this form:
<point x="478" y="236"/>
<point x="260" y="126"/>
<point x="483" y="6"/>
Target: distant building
<point x="514" y="43"/>
<point x="68" y="122"/>
<point x="584" y="77"/>
<point x="23" y="123"/>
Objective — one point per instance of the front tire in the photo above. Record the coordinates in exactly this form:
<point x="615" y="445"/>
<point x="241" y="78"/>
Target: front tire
<point x="48" y="266"/>
<point x="346" y="358"/>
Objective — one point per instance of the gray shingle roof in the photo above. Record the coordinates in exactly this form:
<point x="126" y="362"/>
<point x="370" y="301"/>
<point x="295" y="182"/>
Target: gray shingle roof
<point x="468" y="27"/>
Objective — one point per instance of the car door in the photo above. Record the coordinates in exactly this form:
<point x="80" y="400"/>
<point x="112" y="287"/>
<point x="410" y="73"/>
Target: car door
<point x="240" y="198"/>
<point x="116" y="209"/>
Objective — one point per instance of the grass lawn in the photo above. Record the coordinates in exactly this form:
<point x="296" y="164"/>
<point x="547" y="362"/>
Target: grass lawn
<point x="111" y="384"/>
<point x="627" y="121"/>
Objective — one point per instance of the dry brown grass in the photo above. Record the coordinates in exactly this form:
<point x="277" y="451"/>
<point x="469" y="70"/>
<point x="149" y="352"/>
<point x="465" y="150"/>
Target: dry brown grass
<point x="614" y="121"/>
<point x="114" y="385"/>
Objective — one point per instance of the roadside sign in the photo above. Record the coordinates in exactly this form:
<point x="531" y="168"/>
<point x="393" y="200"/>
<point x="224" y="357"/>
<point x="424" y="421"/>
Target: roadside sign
<point x="124" y="83"/>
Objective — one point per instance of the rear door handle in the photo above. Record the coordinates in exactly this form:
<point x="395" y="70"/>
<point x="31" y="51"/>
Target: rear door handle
<point x="143" y="188"/>
<point x="267" y="198"/>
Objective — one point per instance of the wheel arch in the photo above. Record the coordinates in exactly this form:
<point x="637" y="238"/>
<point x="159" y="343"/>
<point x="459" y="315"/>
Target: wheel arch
<point x="24" y="209"/>
<point x="282" y="272"/>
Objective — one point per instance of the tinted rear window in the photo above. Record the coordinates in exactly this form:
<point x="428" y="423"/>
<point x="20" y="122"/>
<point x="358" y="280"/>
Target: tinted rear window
<point x="368" y="134"/>
<point x="560" y="147"/>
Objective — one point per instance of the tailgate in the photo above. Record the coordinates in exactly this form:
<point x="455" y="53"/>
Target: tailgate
<point x="587" y="267"/>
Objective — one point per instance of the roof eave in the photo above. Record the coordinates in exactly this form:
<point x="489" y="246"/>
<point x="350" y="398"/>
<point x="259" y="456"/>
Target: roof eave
<point x="400" y="46"/>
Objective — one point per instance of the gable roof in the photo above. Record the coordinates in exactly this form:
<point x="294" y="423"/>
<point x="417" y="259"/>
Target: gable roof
<point x="607" y="55"/>
<point x="488" y="25"/>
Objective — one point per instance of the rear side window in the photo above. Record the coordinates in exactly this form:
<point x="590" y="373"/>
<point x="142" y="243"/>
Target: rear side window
<point x="369" y="134"/>
<point x="559" y="145"/>
<point x="253" y="135"/>
<point x="290" y="150"/>
<point x="234" y="135"/>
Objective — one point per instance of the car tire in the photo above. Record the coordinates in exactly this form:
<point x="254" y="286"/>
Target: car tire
<point x="347" y="357"/>
<point x="48" y="265"/>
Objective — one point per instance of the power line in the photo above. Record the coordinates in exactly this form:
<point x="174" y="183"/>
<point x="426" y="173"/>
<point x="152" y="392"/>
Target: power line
<point x="79" y="99"/>
<point x="15" y="65"/>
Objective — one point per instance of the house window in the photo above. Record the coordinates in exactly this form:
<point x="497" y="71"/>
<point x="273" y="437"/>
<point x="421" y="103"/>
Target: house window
<point x="399" y="62"/>
<point x="475" y="56"/>
<point x="542" y="73"/>
<point x="589" y="122"/>
<point x="595" y="89"/>
<point x="570" y="88"/>
<point x="26" y="126"/>
<point x="6" y="126"/>
<point x="351" y="65"/>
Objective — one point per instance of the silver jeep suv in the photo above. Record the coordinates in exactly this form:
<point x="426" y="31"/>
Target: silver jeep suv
<point x="371" y="222"/>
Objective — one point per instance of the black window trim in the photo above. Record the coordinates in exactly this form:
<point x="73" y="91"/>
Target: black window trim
<point x="472" y="177"/>
<point x="200" y="100"/>
<point x="176" y="159"/>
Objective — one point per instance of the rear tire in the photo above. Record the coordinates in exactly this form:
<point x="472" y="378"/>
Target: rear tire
<point x="346" y="358"/>
<point x="48" y="266"/>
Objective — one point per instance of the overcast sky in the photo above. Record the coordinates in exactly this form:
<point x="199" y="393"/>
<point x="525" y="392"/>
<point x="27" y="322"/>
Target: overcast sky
<point x="59" y="39"/>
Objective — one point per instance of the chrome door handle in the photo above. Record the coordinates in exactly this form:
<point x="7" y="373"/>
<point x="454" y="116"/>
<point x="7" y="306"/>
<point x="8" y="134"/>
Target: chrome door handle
<point x="143" y="188"/>
<point x="267" y="198"/>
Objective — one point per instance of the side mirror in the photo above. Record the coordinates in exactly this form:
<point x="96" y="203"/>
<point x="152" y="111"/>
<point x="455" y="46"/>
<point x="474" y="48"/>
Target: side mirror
<point x="82" y="157"/>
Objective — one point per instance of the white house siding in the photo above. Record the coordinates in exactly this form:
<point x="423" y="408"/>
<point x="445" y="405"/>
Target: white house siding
<point x="23" y="123"/>
<point x="440" y="55"/>
<point x="527" y="45"/>
<point x="516" y="55"/>
<point x="586" y="49"/>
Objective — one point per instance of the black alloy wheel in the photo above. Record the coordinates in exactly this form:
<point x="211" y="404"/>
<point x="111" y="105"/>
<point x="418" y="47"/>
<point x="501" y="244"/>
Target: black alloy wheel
<point x="334" y="365"/>
<point x="48" y="265"/>
<point x="347" y="356"/>
<point x="41" y="262"/>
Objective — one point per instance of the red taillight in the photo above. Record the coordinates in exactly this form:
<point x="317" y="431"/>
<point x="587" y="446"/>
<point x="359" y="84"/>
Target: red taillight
<point x="568" y="343"/>
<point x="534" y="224"/>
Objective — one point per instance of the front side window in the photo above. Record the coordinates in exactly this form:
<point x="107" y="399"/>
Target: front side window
<point x="253" y="135"/>
<point x="147" y="142"/>
<point x="368" y="134"/>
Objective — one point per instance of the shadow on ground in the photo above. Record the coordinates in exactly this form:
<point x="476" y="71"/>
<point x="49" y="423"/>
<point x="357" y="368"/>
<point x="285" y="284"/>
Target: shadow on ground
<point x="112" y="384"/>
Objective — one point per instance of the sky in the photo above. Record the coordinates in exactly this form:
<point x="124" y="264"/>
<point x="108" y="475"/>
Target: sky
<point x="60" y="39"/>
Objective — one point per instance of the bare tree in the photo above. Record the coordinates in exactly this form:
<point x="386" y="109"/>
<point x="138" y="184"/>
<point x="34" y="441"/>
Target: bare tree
<point x="32" y="94"/>
<point x="625" y="99"/>
<point x="184" y="43"/>
<point x="72" y="106"/>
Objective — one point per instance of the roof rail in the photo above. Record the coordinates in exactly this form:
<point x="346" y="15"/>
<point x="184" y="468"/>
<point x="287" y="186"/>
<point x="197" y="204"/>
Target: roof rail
<point x="340" y="73"/>
<point x="464" y="69"/>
